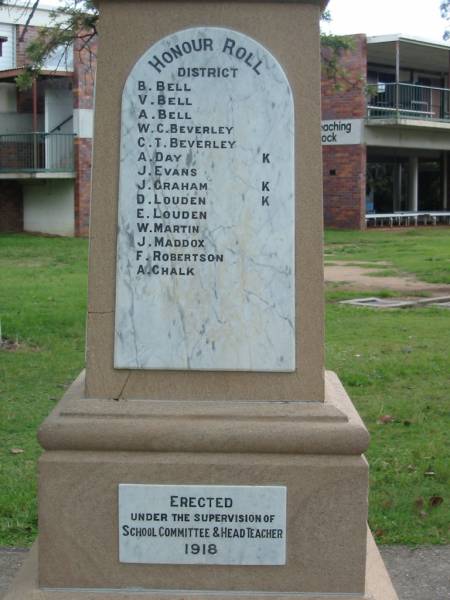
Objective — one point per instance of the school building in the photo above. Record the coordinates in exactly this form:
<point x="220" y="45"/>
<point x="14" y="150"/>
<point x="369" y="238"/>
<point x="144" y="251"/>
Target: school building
<point x="385" y="134"/>
<point x="45" y="133"/>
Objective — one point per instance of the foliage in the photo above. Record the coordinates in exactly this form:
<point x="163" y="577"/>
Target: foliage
<point x="42" y="312"/>
<point x="445" y="13"/>
<point x="73" y="23"/>
<point x="77" y="20"/>
<point x="332" y="47"/>
<point x="393" y="363"/>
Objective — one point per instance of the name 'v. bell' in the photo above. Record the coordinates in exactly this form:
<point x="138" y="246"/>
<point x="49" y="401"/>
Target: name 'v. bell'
<point x="173" y="100"/>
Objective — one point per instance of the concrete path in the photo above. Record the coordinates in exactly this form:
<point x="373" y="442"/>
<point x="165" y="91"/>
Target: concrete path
<point x="420" y="573"/>
<point x="417" y="574"/>
<point x="10" y="561"/>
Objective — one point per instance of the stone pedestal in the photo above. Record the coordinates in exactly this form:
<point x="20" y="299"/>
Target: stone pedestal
<point x="314" y="449"/>
<point x="146" y="414"/>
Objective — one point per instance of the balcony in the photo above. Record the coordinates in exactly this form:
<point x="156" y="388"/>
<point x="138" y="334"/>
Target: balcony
<point x="36" y="155"/>
<point x="408" y="104"/>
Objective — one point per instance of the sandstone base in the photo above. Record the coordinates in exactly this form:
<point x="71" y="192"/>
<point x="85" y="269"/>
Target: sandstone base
<point x="315" y="449"/>
<point x="25" y="587"/>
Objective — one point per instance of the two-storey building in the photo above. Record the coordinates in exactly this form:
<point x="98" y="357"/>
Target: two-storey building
<point x="45" y="133"/>
<point x="386" y="134"/>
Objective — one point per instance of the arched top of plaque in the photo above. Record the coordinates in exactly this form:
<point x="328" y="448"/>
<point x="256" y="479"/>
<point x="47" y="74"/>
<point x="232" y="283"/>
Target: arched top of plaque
<point x="205" y="255"/>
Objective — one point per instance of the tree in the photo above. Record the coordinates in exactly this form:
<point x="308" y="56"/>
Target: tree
<point x="73" y="22"/>
<point x="445" y="13"/>
<point x="77" y="20"/>
<point x="332" y="47"/>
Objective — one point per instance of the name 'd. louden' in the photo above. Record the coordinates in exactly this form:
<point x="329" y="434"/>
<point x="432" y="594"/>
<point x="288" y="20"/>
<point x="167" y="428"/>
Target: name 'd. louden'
<point x="180" y="200"/>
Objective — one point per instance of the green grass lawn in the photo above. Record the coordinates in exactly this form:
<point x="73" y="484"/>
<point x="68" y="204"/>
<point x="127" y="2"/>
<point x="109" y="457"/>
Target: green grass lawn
<point x="42" y="306"/>
<point x="395" y="363"/>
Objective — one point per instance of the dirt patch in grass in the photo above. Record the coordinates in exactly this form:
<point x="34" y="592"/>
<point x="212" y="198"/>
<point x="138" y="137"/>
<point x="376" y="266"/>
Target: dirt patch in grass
<point x="350" y="276"/>
<point x="10" y="345"/>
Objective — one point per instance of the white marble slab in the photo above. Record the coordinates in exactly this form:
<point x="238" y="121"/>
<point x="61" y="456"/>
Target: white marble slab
<point x="205" y="254"/>
<point x="202" y="524"/>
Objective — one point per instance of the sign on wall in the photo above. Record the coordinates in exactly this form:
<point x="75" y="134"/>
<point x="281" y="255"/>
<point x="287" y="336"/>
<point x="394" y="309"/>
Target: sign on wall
<point x="202" y="524"/>
<point x="205" y="254"/>
<point x="342" y="132"/>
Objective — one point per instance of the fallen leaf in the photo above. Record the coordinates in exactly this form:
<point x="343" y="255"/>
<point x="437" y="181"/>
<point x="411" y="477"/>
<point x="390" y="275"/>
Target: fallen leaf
<point x="385" y="419"/>
<point x="435" y="501"/>
<point x="429" y="473"/>
<point x="411" y="468"/>
<point x="423" y="514"/>
<point x="16" y="451"/>
<point x="419" y="502"/>
<point x="378" y="533"/>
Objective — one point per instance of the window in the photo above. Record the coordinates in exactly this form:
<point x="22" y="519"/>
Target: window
<point x="8" y="57"/>
<point x="61" y="59"/>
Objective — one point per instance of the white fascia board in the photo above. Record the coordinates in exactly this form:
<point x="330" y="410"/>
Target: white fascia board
<point x="398" y="37"/>
<point x="382" y="39"/>
<point x="17" y="15"/>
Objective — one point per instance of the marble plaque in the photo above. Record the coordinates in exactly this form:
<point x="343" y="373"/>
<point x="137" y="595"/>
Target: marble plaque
<point x="205" y="253"/>
<point x="202" y="524"/>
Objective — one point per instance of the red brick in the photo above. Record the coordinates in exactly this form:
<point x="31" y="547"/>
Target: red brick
<point x="345" y="98"/>
<point x="11" y="207"/>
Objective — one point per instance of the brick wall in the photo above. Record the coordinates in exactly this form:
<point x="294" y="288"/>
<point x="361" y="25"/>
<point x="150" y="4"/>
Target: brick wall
<point x="30" y="34"/>
<point x="83" y="98"/>
<point x="344" y="167"/>
<point x="25" y="98"/>
<point x="83" y="165"/>
<point x="84" y="73"/>
<point x="11" y="207"/>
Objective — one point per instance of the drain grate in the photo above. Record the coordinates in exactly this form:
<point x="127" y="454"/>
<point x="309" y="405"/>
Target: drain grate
<point x="374" y="302"/>
<point x="441" y="304"/>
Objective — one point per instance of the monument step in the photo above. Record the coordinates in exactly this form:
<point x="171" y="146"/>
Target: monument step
<point x="330" y="427"/>
<point x="25" y="587"/>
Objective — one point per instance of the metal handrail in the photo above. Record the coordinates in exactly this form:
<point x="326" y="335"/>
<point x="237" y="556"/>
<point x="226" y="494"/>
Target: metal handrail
<point x="58" y="127"/>
<point x="36" y="152"/>
<point x="408" y="101"/>
<point x="417" y="85"/>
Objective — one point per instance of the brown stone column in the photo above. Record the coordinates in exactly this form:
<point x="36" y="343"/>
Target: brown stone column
<point x="83" y="96"/>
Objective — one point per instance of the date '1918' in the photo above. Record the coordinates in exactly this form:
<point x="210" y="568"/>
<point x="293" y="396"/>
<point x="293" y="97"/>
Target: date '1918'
<point x="200" y="549"/>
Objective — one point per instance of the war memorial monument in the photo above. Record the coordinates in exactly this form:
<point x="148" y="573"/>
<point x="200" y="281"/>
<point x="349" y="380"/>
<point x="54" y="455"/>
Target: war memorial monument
<point x="204" y="452"/>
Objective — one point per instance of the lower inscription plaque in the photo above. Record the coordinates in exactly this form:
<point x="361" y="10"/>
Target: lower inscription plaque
<point x="202" y="524"/>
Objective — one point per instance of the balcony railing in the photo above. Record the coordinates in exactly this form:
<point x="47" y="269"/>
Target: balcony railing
<point x="36" y="152"/>
<point x="394" y="101"/>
